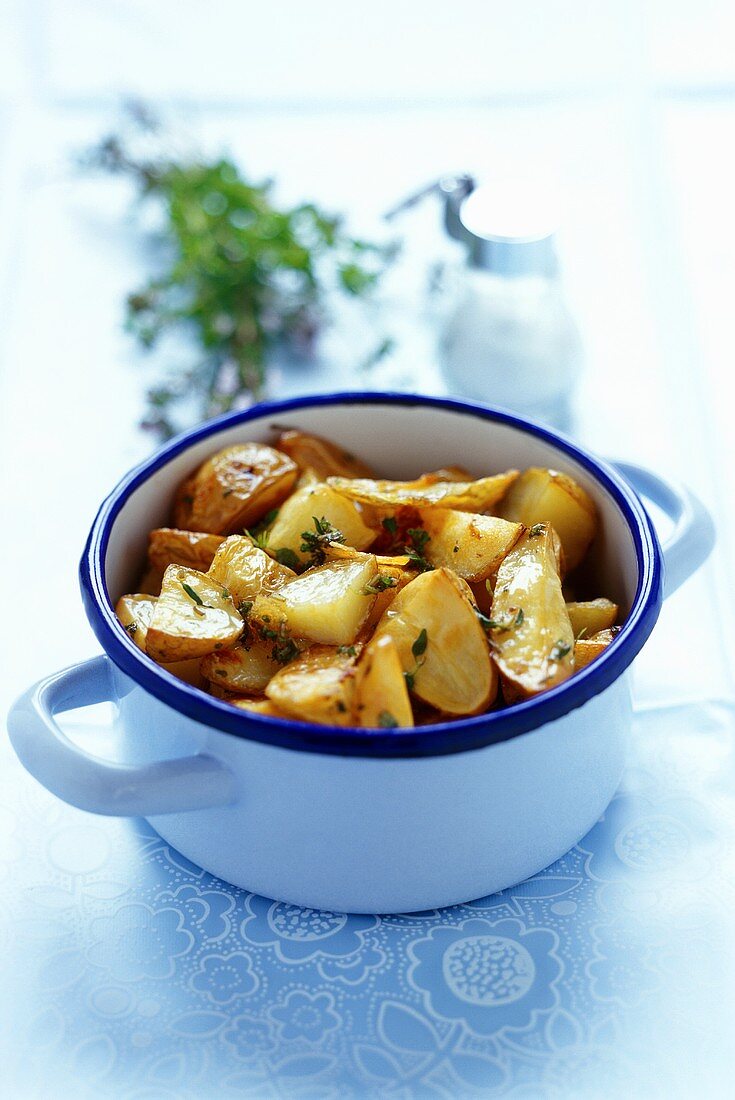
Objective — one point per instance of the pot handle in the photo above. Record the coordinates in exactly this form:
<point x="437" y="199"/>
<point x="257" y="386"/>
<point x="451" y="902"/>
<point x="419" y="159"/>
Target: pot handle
<point x="693" y="537"/>
<point x="101" y="786"/>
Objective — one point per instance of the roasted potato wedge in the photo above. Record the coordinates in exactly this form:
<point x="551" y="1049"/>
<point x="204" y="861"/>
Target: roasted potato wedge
<point x="245" y="570"/>
<point x="465" y="496"/>
<point x="325" y="459"/>
<point x="318" y="686"/>
<point x="234" y="488"/>
<point x="381" y="696"/>
<point x="546" y="496"/>
<point x="587" y="649"/>
<point x="470" y="544"/>
<point x="286" y="534"/>
<point x="441" y="644"/>
<point x="590" y="616"/>
<point x="243" y="668"/>
<point x="135" y="614"/>
<point x="532" y="637"/>
<point x="169" y="546"/>
<point x="192" y="617"/>
<point x="327" y="605"/>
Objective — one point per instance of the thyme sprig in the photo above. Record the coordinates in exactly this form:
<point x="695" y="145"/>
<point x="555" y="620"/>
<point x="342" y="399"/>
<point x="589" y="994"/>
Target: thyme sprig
<point x="238" y="272"/>
<point x="315" y="541"/>
<point x="414" y="549"/>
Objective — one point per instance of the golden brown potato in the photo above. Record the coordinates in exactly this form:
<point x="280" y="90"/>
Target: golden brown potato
<point x="311" y="452"/>
<point x="245" y="570"/>
<point x="337" y="551"/>
<point x="150" y="583"/>
<point x="381" y="696"/>
<point x="466" y="496"/>
<point x="441" y="644"/>
<point x="245" y="668"/>
<point x="590" y="616"/>
<point x="234" y="489"/>
<point x="327" y="605"/>
<point x="447" y="473"/>
<point x="169" y="546"/>
<point x="470" y="544"/>
<point x="532" y="637"/>
<point x="135" y="614"/>
<point x="318" y="686"/>
<point x="587" y="649"/>
<point x="192" y="617"/>
<point x="547" y="496"/>
<point x="285" y="538"/>
<point x="258" y="706"/>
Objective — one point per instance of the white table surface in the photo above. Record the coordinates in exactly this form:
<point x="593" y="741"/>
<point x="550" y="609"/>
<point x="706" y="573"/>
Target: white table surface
<point x="633" y="124"/>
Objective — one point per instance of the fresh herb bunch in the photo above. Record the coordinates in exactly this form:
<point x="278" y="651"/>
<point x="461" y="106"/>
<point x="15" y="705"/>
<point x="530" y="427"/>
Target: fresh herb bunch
<point x="238" y="272"/>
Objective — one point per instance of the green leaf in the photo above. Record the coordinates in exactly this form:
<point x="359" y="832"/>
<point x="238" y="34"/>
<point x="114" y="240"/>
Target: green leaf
<point x="419" y="646"/>
<point x="287" y="557"/>
<point x="192" y="594"/>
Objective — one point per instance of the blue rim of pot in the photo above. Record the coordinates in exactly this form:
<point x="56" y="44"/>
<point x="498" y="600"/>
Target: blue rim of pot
<point x="459" y="735"/>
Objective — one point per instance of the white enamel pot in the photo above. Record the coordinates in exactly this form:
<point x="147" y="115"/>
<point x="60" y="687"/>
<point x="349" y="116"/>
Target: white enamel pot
<point x="356" y="820"/>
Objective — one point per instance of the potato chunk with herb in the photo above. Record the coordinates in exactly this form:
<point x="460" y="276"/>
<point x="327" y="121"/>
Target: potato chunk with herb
<point x="325" y="459"/>
<point x="532" y="637"/>
<point x="327" y="605"/>
<point x="466" y="496"/>
<point x="243" y="668"/>
<point x="193" y="616"/>
<point x="470" y="544"/>
<point x="381" y="694"/>
<point x="285" y="537"/>
<point x="135" y="613"/>
<point x="547" y="496"/>
<point x="590" y="616"/>
<point x="318" y="686"/>
<point x="441" y="644"/>
<point x="588" y="649"/>
<point x="169" y="546"/>
<point x="234" y="489"/>
<point x="245" y="570"/>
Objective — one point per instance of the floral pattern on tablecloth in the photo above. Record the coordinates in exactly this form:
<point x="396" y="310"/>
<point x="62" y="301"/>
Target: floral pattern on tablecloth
<point x="140" y="977"/>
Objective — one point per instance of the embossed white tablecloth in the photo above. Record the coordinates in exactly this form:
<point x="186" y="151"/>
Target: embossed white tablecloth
<point x="129" y="973"/>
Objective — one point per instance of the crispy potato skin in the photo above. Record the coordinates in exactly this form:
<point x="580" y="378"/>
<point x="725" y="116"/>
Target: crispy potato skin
<point x="547" y="496"/>
<point x="454" y="673"/>
<point x="182" y="627"/>
<point x="472" y="545"/>
<point x="588" y="649"/>
<point x="532" y="637"/>
<point x="324" y="459"/>
<point x="245" y="570"/>
<point x="135" y="613"/>
<point x="468" y="496"/>
<point x="234" y="488"/>
<point x="169" y="546"/>
<point x="591" y="616"/>
<point x="381" y="697"/>
<point x="317" y="687"/>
